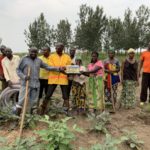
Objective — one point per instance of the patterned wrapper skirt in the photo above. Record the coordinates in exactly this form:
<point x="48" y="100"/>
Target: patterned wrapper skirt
<point x="128" y="94"/>
<point x="95" y="93"/>
<point x="79" y="95"/>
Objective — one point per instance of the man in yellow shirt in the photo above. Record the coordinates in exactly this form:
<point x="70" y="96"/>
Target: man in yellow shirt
<point x="58" y="59"/>
<point x="44" y="73"/>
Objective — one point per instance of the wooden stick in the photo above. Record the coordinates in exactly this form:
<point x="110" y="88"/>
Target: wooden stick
<point x="24" y="105"/>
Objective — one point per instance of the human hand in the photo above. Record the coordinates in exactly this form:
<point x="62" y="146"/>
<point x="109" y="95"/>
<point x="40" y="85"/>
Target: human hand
<point x="139" y="75"/>
<point x="1" y="78"/>
<point x="27" y="78"/>
<point x="137" y="83"/>
<point x="62" y="69"/>
<point x="9" y="83"/>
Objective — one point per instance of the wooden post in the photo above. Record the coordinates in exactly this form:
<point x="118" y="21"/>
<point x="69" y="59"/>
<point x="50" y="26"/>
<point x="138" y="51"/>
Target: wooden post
<point x="24" y="105"/>
<point x="113" y="103"/>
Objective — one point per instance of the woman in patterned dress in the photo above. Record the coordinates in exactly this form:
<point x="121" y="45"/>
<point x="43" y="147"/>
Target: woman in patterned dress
<point x="129" y="77"/>
<point x="79" y="89"/>
<point x="95" y="90"/>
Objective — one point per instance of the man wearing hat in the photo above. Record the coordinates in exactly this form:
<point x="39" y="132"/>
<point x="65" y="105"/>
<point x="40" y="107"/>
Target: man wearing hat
<point x="129" y="78"/>
<point x="34" y="63"/>
<point x="145" y="65"/>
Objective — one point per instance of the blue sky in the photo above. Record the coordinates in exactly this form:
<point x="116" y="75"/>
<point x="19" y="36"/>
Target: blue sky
<point x="16" y="15"/>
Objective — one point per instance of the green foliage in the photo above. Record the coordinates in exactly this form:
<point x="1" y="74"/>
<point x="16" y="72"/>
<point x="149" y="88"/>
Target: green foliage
<point x="92" y="24"/>
<point x="57" y="135"/>
<point x="63" y="32"/>
<point x="131" y="31"/>
<point x="31" y="121"/>
<point x="39" y="33"/>
<point x="110" y="143"/>
<point x="132" y="140"/>
<point x="6" y="116"/>
<point x="100" y="122"/>
<point x="143" y="15"/>
<point x="22" y="144"/>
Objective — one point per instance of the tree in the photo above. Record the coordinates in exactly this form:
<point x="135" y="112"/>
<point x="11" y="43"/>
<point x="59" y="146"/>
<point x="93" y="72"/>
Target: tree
<point x="143" y="17"/>
<point x="114" y="35"/>
<point x="131" y="31"/>
<point x="39" y="33"/>
<point x="90" y="28"/>
<point x="63" y="32"/>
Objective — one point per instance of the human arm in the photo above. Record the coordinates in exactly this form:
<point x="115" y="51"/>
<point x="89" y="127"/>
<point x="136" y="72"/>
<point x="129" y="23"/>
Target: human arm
<point x="50" y="68"/>
<point x="122" y="68"/>
<point x="114" y="69"/>
<point x="6" y="74"/>
<point x="140" y="67"/>
<point x="94" y="69"/>
<point x="20" y="68"/>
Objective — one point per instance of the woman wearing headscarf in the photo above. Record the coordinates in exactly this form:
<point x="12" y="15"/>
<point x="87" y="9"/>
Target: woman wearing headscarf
<point x="129" y="77"/>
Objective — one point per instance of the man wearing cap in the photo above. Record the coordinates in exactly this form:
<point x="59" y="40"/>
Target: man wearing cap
<point x="58" y="59"/>
<point x="145" y="64"/>
<point x="129" y="78"/>
<point x="9" y="64"/>
<point x="2" y="78"/>
<point x="34" y="63"/>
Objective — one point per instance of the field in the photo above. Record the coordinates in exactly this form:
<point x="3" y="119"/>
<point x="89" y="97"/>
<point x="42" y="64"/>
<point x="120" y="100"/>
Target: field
<point x="136" y="120"/>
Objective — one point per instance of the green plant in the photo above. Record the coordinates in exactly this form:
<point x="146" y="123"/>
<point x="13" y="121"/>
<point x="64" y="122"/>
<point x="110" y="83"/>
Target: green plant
<point x="31" y="121"/>
<point x="132" y="140"/>
<point x="6" y="116"/>
<point x="100" y="122"/>
<point x="110" y="143"/>
<point x="57" y="136"/>
<point x="23" y="144"/>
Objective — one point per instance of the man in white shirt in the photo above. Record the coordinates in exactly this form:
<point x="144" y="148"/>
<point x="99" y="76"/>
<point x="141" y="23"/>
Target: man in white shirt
<point x="9" y="64"/>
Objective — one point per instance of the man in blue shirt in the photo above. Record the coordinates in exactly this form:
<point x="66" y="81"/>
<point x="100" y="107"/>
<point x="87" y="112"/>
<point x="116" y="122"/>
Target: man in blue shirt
<point x="35" y="64"/>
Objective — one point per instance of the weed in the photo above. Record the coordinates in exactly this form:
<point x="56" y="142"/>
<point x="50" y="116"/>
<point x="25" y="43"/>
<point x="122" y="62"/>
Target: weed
<point x="100" y="122"/>
<point x="132" y="140"/>
<point x="110" y="143"/>
<point x="23" y="144"/>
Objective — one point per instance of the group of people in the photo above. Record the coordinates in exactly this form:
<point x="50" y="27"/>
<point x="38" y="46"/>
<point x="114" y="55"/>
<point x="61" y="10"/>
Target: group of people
<point x="92" y="89"/>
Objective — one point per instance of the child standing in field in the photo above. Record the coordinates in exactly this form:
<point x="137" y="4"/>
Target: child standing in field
<point x="79" y="88"/>
<point x="129" y="76"/>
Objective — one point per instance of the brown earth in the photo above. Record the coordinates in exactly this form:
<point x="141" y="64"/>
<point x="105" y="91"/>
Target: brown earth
<point x="132" y="120"/>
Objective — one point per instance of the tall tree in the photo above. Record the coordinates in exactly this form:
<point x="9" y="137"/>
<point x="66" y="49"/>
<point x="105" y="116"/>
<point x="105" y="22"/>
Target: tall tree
<point x="114" y="35"/>
<point x="131" y="32"/>
<point x="90" y="28"/>
<point x="39" y="33"/>
<point x="143" y="17"/>
<point x="63" y="32"/>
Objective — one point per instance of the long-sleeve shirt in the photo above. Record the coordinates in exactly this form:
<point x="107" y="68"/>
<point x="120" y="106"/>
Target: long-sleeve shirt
<point x="35" y="65"/>
<point x="44" y="73"/>
<point x="58" y="61"/>
<point x="9" y="68"/>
